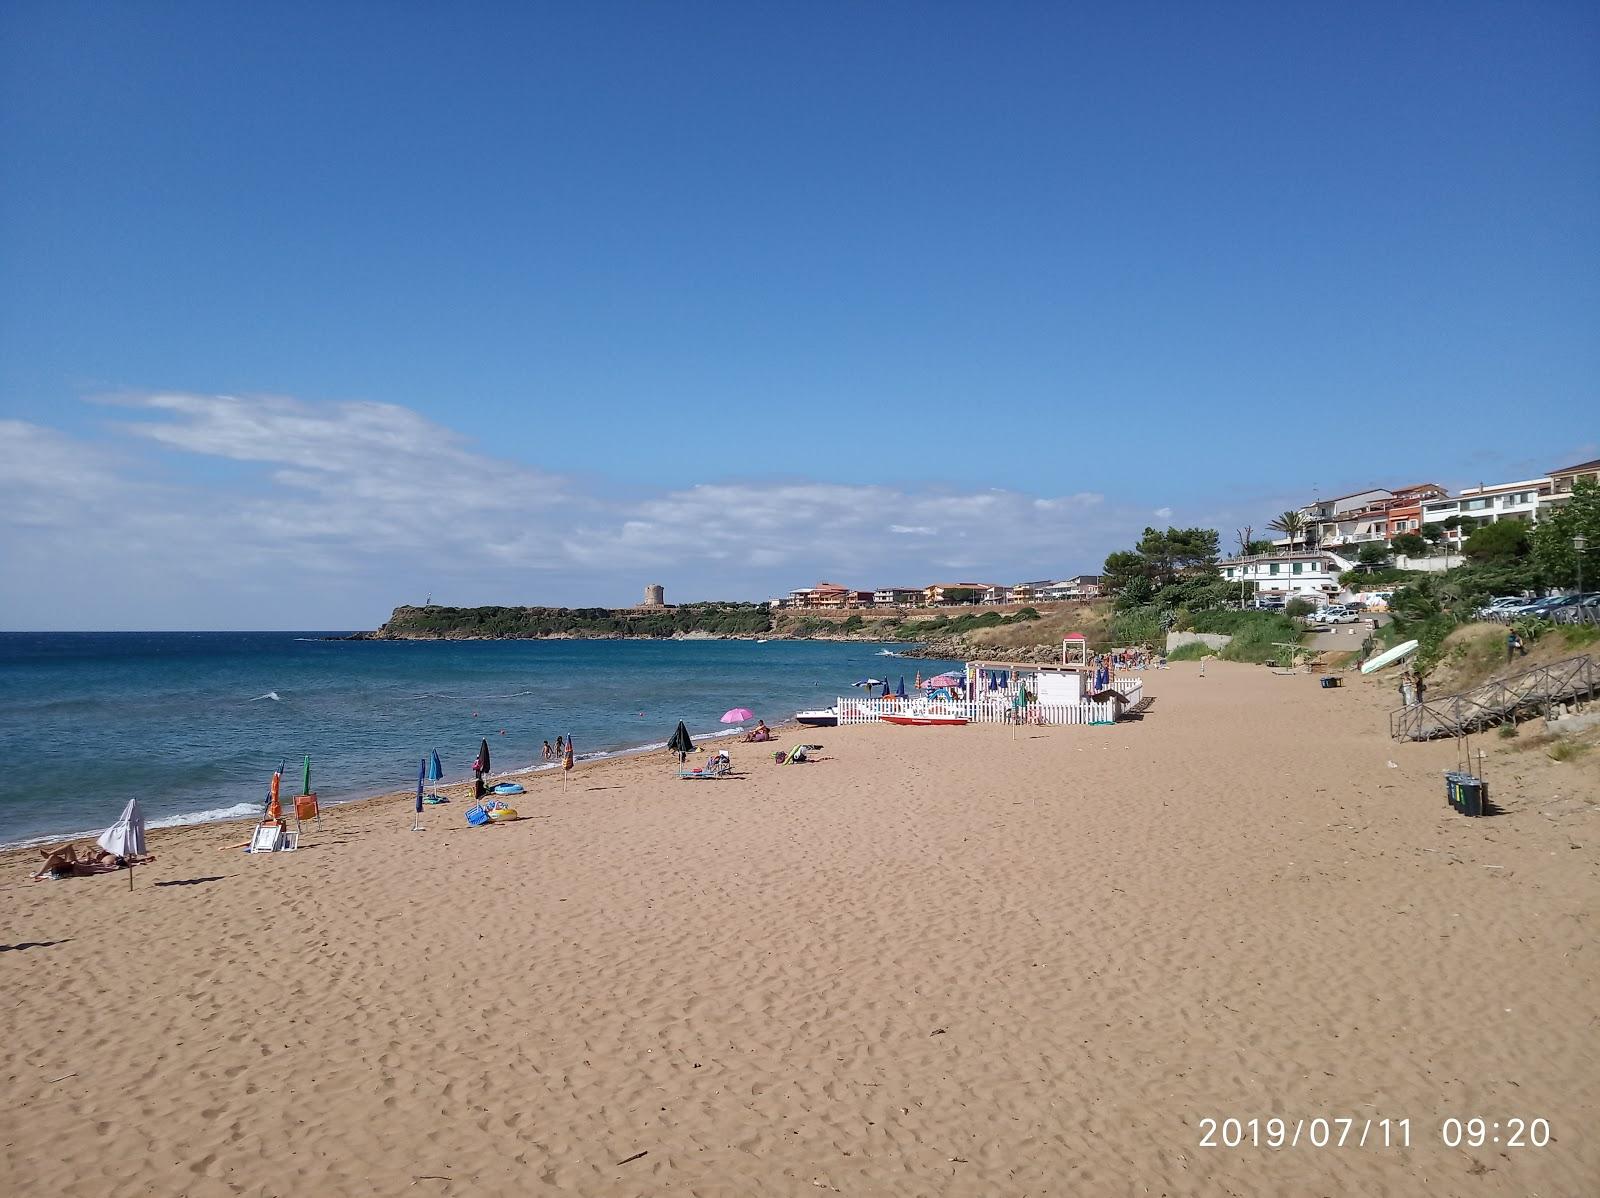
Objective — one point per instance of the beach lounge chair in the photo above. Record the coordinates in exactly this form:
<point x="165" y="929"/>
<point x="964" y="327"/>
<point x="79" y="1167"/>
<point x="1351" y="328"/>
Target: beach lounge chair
<point x="719" y="766"/>
<point x="273" y="837"/>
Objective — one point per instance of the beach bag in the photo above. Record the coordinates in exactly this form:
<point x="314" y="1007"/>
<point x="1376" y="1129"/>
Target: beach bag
<point x="477" y="816"/>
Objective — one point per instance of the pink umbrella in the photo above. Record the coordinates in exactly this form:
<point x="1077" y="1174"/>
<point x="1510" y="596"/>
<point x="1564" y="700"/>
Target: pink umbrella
<point x="737" y="715"/>
<point x="941" y="680"/>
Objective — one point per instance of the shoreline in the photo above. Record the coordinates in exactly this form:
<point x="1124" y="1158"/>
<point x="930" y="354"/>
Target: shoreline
<point x="589" y="762"/>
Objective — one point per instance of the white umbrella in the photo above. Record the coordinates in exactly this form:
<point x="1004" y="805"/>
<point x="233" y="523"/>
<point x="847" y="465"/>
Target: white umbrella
<point x="125" y="838"/>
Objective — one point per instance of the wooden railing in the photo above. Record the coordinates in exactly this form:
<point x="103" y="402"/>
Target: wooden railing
<point x="1498" y="701"/>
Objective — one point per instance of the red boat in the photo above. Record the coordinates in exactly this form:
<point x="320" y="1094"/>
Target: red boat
<point x="924" y="721"/>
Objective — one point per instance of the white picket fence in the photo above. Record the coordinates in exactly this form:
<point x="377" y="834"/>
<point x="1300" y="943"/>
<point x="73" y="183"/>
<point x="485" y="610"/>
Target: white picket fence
<point x="991" y="709"/>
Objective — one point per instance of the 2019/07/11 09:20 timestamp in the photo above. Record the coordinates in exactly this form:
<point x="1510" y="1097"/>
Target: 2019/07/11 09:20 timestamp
<point x="1341" y="1132"/>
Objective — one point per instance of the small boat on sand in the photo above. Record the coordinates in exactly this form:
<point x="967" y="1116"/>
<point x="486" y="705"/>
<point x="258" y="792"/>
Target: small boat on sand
<point x="923" y="720"/>
<point x="822" y="718"/>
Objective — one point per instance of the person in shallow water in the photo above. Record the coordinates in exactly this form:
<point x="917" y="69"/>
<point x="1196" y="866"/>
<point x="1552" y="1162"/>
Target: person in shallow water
<point x="549" y="753"/>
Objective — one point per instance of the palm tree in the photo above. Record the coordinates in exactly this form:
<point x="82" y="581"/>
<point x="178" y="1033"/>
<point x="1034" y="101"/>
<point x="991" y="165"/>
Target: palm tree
<point x="1291" y="525"/>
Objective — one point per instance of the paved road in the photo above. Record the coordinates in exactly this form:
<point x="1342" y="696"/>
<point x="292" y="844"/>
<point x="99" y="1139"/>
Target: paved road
<point x="1339" y="638"/>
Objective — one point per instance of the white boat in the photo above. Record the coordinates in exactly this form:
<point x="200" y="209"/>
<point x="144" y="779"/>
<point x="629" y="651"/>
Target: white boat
<point x="821" y="718"/>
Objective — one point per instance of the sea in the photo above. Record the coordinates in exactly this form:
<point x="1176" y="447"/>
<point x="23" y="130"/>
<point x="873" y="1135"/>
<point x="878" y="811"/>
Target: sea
<point x="194" y="723"/>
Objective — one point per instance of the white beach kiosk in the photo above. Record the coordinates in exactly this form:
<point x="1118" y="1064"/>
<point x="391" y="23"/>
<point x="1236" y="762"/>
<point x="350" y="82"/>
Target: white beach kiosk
<point x="1005" y="692"/>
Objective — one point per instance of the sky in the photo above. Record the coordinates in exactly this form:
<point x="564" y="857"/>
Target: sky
<point x="308" y="310"/>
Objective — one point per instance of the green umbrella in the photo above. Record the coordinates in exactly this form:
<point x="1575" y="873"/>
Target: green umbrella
<point x="305" y="787"/>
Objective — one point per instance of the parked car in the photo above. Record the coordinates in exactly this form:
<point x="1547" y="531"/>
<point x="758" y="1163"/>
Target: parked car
<point x="1538" y="609"/>
<point x="1269" y="603"/>
<point x="1579" y="609"/>
<point x="1496" y="607"/>
<point x="1334" y="613"/>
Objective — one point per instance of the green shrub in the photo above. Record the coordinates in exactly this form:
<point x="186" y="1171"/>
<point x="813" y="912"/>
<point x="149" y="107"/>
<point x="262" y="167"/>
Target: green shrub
<point x="1299" y="607"/>
<point x="1193" y="651"/>
<point x="1138" y="626"/>
<point x="1257" y="635"/>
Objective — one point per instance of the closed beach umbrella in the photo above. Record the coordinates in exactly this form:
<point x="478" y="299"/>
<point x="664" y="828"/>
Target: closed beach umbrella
<point x="900" y="691"/>
<point x="125" y="838"/>
<point x="566" y="762"/>
<point x="737" y="715"/>
<point x="917" y="685"/>
<point x="483" y="758"/>
<point x="435" y="768"/>
<point x="680" y="742"/>
<point x="422" y="773"/>
<point x="305" y="783"/>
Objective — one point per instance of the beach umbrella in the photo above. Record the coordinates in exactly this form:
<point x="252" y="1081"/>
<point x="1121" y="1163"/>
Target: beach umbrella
<point x="483" y="758"/>
<point x="125" y="838"/>
<point x="994" y="683"/>
<point x="680" y="742"/>
<point x="566" y="762"/>
<point x="885" y="690"/>
<point x="422" y="773"/>
<point x="305" y="784"/>
<point x="868" y="683"/>
<point x="737" y="715"/>
<point x="435" y="768"/>
<point x="939" y="680"/>
<point x="900" y="691"/>
<point x="917" y="685"/>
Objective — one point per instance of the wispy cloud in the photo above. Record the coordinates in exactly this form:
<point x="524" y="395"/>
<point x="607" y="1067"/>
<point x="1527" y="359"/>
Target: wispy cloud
<point x="200" y="506"/>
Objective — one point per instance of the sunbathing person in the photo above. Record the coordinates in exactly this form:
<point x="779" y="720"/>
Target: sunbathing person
<point x="65" y="862"/>
<point x="759" y="733"/>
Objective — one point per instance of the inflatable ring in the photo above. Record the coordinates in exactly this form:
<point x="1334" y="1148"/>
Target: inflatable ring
<point x="502" y="815"/>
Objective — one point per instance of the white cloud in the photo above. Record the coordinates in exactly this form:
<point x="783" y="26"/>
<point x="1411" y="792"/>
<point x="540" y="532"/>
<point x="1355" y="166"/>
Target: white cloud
<point x="227" y="511"/>
<point x="1162" y="513"/>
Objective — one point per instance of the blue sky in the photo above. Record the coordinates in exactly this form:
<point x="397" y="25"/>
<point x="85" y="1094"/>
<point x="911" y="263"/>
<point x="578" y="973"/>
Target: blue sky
<point x="536" y="304"/>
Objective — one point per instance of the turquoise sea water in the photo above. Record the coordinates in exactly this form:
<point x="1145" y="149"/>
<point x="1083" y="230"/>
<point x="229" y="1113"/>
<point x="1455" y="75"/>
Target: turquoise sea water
<point x="193" y="724"/>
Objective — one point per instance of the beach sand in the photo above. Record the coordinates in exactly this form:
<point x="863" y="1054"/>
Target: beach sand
<point x="941" y="961"/>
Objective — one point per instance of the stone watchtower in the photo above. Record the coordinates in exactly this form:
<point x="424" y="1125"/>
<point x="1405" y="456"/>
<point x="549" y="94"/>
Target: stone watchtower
<point x="655" y="595"/>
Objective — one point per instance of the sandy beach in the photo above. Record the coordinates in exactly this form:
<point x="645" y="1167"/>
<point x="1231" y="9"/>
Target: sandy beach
<point x="939" y="961"/>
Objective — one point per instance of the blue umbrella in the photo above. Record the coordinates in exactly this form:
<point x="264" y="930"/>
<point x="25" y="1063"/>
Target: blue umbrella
<point x="885" y="690"/>
<point x="900" y="691"/>
<point x="435" y="768"/>
<point x="994" y="684"/>
<point x="422" y="773"/>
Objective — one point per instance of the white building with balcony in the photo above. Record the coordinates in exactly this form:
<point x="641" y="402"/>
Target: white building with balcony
<point x="1488" y="503"/>
<point x="1562" y="481"/>
<point x="1308" y="573"/>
